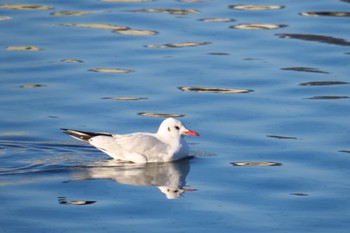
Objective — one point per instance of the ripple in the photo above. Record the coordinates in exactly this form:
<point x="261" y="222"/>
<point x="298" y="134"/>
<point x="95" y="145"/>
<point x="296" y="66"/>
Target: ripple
<point x="155" y="114"/>
<point x="281" y="137"/>
<point x="96" y="26"/>
<point x="5" y="18"/>
<point x="217" y="20"/>
<point x="323" y="83"/>
<point x="73" y="13"/>
<point x="127" y="1"/>
<point x="326" y="13"/>
<point x="124" y="98"/>
<point x="259" y="26"/>
<point x="28" y="86"/>
<point x="72" y="61"/>
<point x="169" y="11"/>
<point x="256" y="164"/>
<point x="135" y="32"/>
<point x="111" y="70"/>
<point x="328" y="97"/>
<point x="256" y="7"/>
<point x="23" y="48"/>
<point x="214" y="90"/>
<point x="178" y="45"/>
<point x="25" y="7"/>
<point x="305" y="69"/>
<point x="317" y="38"/>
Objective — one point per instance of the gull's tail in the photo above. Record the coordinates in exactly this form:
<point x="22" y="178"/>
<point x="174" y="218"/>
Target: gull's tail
<point x="82" y="135"/>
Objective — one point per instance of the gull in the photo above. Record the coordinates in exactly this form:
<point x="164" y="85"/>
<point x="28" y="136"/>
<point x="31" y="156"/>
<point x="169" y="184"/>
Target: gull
<point x="168" y="144"/>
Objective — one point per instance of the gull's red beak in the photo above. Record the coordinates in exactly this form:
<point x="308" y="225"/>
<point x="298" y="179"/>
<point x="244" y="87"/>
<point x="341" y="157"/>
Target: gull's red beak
<point x="191" y="132"/>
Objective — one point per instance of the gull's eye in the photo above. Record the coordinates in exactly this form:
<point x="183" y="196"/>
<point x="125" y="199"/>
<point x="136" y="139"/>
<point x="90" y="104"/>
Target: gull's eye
<point x="177" y="127"/>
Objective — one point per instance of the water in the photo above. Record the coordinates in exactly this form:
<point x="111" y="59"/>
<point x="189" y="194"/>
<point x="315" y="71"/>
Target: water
<point x="289" y="66"/>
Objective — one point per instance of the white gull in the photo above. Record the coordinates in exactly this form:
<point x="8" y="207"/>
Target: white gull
<point x="168" y="144"/>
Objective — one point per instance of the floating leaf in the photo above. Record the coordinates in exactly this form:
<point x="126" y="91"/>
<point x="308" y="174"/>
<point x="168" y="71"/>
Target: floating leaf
<point x="25" y="7"/>
<point x="111" y="70"/>
<point x="256" y="164"/>
<point x="155" y="114"/>
<point x="258" y="26"/>
<point x="214" y="90"/>
<point x="73" y="13"/>
<point x="317" y="38"/>
<point x="326" y="13"/>
<point x="305" y="69"/>
<point x="323" y="83"/>
<point x="169" y="11"/>
<point x="23" y="48"/>
<point x="124" y="98"/>
<point x="255" y="7"/>
<point x="33" y="85"/>
<point x="217" y="20"/>
<point x="281" y="137"/>
<point x="96" y="26"/>
<point x="178" y="45"/>
<point x="134" y="32"/>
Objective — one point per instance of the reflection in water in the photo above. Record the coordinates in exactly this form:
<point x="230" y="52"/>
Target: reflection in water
<point x="73" y="13"/>
<point x="217" y="20"/>
<point x="317" y="38"/>
<point x="126" y="98"/>
<point x="281" y="137"/>
<point x="170" y="178"/>
<point x="111" y="70"/>
<point x="32" y="86"/>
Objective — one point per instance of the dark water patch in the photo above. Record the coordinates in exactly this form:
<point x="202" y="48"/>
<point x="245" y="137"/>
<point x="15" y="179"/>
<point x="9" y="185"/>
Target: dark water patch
<point x="317" y="38"/>
<point x="218" y="54"/>
<point x="178" y="45"/>
<point x="344" y="151"/>
<point x="281" y="137"/>
<point x="256" y="164"/>
<point x="256" y="7"/>
<point x="258" y="26"/>
<point x="25" y="7"/>
<point x="214" y="90"/>
<point x="324" y="83"/>
<point x="157" y="114"/>
<point x="169" y="11"/>
<point x="305" y="69"/>
<point x="328" y="97"/>
<point x="326" y="13"/>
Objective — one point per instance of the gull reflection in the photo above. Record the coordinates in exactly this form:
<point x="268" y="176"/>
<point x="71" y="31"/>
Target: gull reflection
<point x="169" y="178"/>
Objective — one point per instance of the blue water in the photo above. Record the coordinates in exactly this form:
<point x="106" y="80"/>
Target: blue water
<point x="296" y="114"/>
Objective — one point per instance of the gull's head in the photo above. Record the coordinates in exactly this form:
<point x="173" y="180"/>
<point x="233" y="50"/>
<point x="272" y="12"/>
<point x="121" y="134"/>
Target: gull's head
<point x="175" y="128"/>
